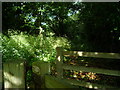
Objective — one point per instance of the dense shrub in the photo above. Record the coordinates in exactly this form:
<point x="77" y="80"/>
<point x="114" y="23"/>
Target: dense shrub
<point x="21" y="45"/>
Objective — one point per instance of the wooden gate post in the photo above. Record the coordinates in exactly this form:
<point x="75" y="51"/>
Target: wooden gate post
<point x="40" y="69"/>
<point x="59" y="62"/>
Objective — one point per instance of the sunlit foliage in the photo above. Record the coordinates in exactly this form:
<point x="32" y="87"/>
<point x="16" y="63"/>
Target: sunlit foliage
<point x="31" y="48"/>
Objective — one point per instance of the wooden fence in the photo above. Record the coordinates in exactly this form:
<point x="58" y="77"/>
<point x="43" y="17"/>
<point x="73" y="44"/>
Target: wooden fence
<point x="42" y="70"/>
<point x="14" y="74"/>
<point x="60" y="66"/>
<point x="43" y="79"/>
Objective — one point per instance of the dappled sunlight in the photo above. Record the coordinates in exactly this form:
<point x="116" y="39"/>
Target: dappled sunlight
<point x="95" y="87"/>
<point x="82" y="60"/>
<point x="84" y="84"/>
<point x="14" y="74"/>
<point x="45" y="59"/>
<point x="22" y="45"/>
<point x="96" y="52"/>
<point x="12" y="79"/>
<point x="36" y="69"/>
<point x="7" y="84"/>
<point x="21" y="40"/>
<point x="92" y="54"/>
<point x="59" y="58"/>
<point x="30" y="47"/>
<point x="21" y="64"/>
<point x="89" y="85"/>
<point x="79" y="53"/>
<point x="60" y="42"/>
<point x="78" y="75"/>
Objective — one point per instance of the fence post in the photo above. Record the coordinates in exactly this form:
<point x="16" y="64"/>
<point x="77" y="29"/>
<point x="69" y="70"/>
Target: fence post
<point x="40" y="69"/>
<point x="59" y="62"/>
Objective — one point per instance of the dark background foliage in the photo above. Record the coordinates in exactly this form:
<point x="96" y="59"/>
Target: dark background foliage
<point x="89" y="26"/>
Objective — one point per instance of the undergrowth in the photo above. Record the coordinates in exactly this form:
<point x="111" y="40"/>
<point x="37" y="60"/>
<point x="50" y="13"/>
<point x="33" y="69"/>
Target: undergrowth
<point x="30" y="47"/>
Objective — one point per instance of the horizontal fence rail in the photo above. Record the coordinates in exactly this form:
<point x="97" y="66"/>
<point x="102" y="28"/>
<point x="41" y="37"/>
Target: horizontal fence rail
<point x="60" y="66"/>
<point x="92" y="54"/>
<point x="53" y="82"/>
<point x="89" y="84"/>
<point x="45" y="80"/>
<point x="91" y="69"/>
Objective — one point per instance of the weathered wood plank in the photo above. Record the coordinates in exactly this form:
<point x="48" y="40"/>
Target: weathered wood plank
<point x="90" y="85"/>
<point x="90" y="69"/>
<point x="39" y="69"/>
<point x="14" y="74"/>
<point x="53" y="82"/>
<point x="92" y="54"/>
